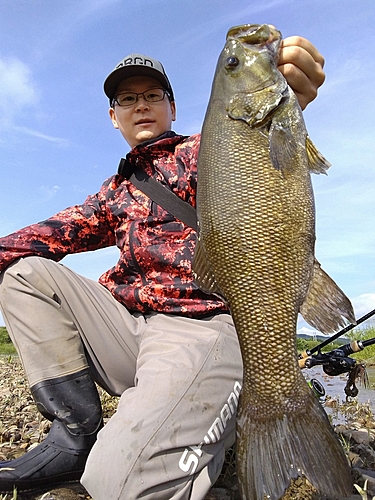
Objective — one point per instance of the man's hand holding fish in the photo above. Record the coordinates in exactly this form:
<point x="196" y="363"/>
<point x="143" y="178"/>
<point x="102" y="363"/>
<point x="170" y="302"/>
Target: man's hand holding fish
<point x="302" y="65"/>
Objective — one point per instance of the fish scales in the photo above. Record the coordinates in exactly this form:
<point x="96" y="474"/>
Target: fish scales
<point x="255" y="248"/>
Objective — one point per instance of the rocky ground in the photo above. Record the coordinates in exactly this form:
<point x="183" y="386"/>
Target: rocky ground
<point x="21" y="427"/>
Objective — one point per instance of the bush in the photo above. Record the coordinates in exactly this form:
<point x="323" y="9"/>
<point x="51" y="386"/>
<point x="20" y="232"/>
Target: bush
<point x="6" y="346"/>
<point x="366" y="333"/>
<point x="4" y="337"/>
<point x="302" y="344"/>
<point x="308" y="345"/>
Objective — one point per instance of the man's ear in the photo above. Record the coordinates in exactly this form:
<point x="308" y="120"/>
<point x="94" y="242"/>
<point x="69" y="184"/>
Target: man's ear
<point x="112" y="115"/>
<point x="173" y="110"/>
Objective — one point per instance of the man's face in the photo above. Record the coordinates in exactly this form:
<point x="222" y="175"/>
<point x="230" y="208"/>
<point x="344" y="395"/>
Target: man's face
<point x="143" y="120"/>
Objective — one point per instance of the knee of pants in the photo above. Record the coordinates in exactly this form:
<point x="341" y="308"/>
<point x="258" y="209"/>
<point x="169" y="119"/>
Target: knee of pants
<point x="26" y="293"/>
<point x="7" y="280"/>
<point x="25" y="275"/>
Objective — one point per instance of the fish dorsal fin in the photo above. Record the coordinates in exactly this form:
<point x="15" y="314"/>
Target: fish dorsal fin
<point x="316" y="161"/>
<point x="202" y="272"/>
<point x="326" y="305"/>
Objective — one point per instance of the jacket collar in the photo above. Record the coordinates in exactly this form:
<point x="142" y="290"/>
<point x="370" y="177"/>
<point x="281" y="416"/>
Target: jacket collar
<point x="166" y="141"/>
<point x="166" y="135"/>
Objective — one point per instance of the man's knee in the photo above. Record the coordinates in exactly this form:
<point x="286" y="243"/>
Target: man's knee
<point x="19" y="268"/>
<point x="28" y="275"/>
<point x="6" y="279"/>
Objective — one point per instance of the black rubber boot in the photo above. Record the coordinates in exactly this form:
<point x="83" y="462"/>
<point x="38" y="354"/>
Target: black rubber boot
<point x="72" y="404"/>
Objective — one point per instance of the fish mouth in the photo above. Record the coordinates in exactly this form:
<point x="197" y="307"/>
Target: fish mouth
<point x="254" y="34"/>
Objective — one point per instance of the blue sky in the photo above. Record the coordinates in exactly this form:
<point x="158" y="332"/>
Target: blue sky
<point x="57" y="143"/>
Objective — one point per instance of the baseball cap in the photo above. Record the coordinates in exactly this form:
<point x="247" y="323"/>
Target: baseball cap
<point x="136" y="65"/>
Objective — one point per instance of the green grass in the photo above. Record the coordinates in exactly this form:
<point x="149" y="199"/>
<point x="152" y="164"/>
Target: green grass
<point x="368" y="353"/>
<point x="307" y="345"/>
<point x="6" y="346"/>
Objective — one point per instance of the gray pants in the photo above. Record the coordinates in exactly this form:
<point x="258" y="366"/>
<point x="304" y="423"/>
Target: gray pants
<point x="178" y="379"/>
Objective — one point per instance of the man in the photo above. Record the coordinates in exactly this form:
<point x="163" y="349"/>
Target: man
<point x="145" y="332"/>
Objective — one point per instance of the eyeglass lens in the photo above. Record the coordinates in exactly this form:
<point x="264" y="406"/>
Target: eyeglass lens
<point x="129" y="98"/>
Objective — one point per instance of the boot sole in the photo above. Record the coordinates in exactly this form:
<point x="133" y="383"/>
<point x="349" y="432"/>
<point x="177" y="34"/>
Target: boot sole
<point x="7" y="486"/>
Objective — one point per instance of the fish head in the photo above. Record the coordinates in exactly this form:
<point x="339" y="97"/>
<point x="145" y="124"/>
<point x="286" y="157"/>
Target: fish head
<point x="250" y="56"/>
<point x="251" y="85"/>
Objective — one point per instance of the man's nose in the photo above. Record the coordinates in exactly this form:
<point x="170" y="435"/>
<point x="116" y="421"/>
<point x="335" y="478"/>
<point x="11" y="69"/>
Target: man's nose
<point x="141" y="102"/>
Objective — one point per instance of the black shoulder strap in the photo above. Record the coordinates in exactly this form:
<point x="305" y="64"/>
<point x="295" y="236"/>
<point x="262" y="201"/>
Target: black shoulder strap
<point x="159" y="193"/>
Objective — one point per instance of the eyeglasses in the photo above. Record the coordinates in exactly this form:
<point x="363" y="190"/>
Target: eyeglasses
<point x="130" y="98"/>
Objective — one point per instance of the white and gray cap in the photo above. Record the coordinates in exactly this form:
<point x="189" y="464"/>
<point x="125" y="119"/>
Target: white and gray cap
<point x="136" y="65"/>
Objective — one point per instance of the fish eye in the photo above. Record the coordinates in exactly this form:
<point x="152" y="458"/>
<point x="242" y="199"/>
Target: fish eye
<point x="232" y="62"/>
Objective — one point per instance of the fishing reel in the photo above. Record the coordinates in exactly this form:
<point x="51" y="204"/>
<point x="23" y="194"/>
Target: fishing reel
<point x="337" y="361"/>
<point x="334" y="363"/>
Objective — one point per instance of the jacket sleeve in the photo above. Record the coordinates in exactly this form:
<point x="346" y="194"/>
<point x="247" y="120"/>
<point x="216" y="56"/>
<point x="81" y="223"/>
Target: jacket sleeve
<point x="76" y="229"/>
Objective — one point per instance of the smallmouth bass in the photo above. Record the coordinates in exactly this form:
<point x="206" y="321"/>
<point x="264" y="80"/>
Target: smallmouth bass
<point x="255" y="248"/>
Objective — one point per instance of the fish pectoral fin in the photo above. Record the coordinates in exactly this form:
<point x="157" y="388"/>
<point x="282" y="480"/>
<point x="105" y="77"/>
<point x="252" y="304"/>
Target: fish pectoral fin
<point x="316" y="161"/>
<point x="202" y="272"/>
<point x="283" y="146"/>
<point x="326" y="305"/>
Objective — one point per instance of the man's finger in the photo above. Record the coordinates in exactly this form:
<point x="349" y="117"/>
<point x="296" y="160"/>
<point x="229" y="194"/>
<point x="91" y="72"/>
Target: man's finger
<point x="303" y="43"/>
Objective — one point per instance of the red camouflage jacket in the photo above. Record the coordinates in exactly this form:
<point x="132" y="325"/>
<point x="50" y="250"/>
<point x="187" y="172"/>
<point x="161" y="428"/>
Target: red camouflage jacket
<point x="153" y="272"/>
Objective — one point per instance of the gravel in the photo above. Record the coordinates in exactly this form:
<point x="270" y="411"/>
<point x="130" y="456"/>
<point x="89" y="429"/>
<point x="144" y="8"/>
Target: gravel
<point x="22" y="427"/>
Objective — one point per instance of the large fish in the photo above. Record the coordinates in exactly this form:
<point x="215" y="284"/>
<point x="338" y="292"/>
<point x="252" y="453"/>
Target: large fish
<point x="256" y="249"/>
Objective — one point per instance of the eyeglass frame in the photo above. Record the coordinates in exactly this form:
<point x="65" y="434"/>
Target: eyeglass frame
<point x="165" y="93"/>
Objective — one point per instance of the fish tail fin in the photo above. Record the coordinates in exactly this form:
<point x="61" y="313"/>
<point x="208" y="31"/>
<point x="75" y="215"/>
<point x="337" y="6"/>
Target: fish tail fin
<point x="326" y="305"/>
<point x="273" y="451"/>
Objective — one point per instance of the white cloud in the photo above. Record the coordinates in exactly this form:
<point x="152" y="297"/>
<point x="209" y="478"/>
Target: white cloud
<point x="17" y="88"/>
<point x="17" y="91"/>
<point x="307" y="331"/>
<point x="48" y="192"/>
<point x="364" y="304"/>
<point x="35" y="133"/>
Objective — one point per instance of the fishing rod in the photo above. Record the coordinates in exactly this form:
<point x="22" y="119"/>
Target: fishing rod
<point x="336" y="361"/>
<point x="309" y="352"/>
